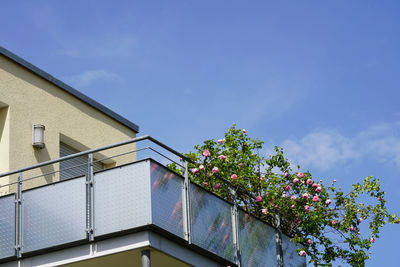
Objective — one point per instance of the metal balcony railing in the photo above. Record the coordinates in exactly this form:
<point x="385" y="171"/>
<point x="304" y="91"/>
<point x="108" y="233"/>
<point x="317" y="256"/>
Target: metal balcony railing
<point x="136" y="195"/>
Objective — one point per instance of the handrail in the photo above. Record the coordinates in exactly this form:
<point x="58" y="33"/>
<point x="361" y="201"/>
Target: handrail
<point x="130" y="141"/>
<point x="94" y="150"/>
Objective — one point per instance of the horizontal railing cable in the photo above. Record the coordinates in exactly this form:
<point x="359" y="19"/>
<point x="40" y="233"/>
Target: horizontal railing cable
<point x="95" y="150"/>
<point x="130" y="141"/>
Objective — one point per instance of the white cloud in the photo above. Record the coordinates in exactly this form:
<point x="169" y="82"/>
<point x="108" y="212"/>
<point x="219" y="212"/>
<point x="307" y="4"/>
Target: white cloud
<point x="100" y="46"/>
<point x="322" y="149"/>
<point x="76" y="44"/>
<point x="92" y="76"/>
<point x="382" y="141"/>
<point x="325" y="149"/>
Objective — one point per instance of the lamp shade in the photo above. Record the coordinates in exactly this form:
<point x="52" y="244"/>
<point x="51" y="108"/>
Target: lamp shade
<point x="38" y="135"/>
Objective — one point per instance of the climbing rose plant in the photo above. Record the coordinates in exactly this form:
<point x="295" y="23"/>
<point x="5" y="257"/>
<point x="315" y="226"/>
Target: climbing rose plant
<point x="324" y="221"/>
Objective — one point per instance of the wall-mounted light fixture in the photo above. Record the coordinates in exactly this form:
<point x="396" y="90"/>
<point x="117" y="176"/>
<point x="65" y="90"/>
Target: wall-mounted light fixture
<point x="38" y="135"/>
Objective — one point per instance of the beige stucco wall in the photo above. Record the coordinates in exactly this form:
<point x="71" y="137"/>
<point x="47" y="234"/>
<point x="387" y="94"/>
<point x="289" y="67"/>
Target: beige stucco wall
<point x="33" y="100"/>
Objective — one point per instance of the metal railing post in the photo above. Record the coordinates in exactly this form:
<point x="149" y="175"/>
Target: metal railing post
<point x="146" y="258"/>
<point x="187" y="225"/>
<point x="278" y="240"/>
<point x="19" y="225"/>
<point x="90" y="199"/>
<point x="235" y="229"/>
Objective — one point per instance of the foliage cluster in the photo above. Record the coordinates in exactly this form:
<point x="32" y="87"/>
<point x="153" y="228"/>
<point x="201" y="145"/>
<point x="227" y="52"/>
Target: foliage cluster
<point x="324" y="221"/>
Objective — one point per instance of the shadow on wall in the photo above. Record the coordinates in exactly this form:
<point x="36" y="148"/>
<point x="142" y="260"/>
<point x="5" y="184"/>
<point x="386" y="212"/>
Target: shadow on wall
<point x="3" y="117"/>
<point x="4" y="147"/>
<point x="42" y="155"/>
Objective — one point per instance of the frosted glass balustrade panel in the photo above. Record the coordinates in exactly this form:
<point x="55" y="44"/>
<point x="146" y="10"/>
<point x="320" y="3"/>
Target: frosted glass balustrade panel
<point x="211" y="223"/>
<point x="122" y="198"/>
<point x="166" y="199"/>
<point x="290" y="256"/>
<point x="257" y="242"/>
<point x="54" y="214"/>
<point x="7" y="226"/>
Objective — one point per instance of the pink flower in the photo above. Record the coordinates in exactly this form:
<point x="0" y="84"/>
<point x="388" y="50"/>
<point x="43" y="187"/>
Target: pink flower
<point x="201" y="167"/>
<point x="328" y="202"/>
<point x="264" y="211"/>
<point x="302" y="253"/>
<point x="287" y="188"/>
<point x="351" y="228"/>
<point x="293" y="197"/>
<point x="215" y="170"/>
<point x="314" y="185"/>
<point x="296" y="220"/>
<point x="306" y="208"/>
<point x="300" y="175"/>
<point x="205" y="183"/>
<point x="372" y="240"/>
<point x="206" y="153"/>
<point x="234" y="177"/>
<point x="295" y="180"/>
<point x="318" y="189"/>
<point x="194" y="170"/>
<point x="284" y="195"/>
<point x="217" y="186"/>
<point x="315" y="199"/>
<point x="221" y="141"/>
<point x="286" y="174"/>
<point x="244" y="131"/>
<point x="258" y="198"/>
<point x="241" y="164"/>
<point x="360" y="220"/>
<point x="222" y="157"/>
<point x="306" y="195"/>
<point x="292" y="206"/>
<point x="309" y="181"/>
<point x="380" y="198"/>
<point x="334" y="222"/>
<point x="309" y="241"/>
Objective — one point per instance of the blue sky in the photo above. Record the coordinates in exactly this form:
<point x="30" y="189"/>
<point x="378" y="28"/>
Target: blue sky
<point x="320" y="78"/>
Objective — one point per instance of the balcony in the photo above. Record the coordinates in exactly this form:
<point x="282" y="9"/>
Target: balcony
<point x="132" y="215"/>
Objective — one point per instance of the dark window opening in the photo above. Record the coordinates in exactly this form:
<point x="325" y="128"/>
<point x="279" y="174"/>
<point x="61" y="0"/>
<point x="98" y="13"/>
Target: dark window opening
<point x="77" y="166"/>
